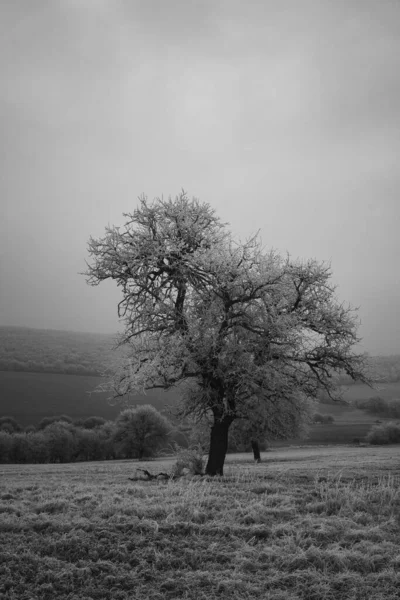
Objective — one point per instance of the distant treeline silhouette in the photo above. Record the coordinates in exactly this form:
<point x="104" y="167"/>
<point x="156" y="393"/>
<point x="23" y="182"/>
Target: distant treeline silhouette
<point x="59" y="439"/>
<point x="138" y="432"/>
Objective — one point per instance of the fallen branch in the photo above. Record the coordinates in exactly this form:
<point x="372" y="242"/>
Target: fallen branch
<point x="151" y="477"/>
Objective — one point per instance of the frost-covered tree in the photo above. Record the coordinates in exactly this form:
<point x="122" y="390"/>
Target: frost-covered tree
<point x="226" y="322"/>
<point x="141" y="431"/>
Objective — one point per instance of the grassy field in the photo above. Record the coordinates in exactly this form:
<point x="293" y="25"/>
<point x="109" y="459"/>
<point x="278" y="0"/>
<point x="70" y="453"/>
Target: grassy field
<point x="313" y="524"/>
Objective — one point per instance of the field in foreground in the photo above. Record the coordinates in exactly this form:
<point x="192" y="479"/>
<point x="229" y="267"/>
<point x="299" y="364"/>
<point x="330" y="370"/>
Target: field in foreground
<point x="309" y="523"/>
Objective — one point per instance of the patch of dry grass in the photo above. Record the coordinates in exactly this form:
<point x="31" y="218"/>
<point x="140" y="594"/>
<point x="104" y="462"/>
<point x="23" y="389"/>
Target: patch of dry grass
<point x="309" y="524"/>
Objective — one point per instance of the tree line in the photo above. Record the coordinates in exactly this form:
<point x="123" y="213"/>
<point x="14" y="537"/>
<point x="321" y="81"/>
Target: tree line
<point x="137" y="433"/>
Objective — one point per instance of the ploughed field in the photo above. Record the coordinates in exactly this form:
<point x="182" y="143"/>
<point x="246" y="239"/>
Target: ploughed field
<point x="309" y="523"/>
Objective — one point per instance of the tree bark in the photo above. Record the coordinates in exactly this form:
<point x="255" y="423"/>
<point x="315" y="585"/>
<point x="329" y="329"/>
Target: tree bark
<point x="218" y="446"/>
<point x="256" y="450"/>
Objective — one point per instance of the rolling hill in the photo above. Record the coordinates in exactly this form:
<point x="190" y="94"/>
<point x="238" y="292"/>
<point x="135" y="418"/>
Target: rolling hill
<point x="46" y="373"/>
<point x="29" y="397"/>
<point x="51" y="351"/>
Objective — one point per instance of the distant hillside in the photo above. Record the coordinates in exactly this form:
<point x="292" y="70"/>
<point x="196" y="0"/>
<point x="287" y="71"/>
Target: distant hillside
<point x="51" y="351"/>
<point x="382" y="369"/>
<point x="72" y="353"/>
<point x="45" y="373"/>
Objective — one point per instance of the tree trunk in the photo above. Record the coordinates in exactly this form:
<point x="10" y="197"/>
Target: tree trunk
<point x="256" y="450"/>
<point x="218" y="446"/>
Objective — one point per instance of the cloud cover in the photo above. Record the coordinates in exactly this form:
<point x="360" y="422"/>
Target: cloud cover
<point x="284" y="116"/>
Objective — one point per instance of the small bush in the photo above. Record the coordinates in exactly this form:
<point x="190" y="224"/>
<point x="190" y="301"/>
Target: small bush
<point x="39" y="450"/>
<point x="90" y="444"/>
<point x="93" y="422"/>
<point x="141" y="431"/>
<point x="10" y="425"/>
<point x="61" y="442"/>
<point x="6" y="440"/>
<point x="20" y="451"/>
<point x="324" y="419"/>
<point x="50" y="420"/>
<point x="190" y="459"/>
<point x="379" y="406"/>
<point x="386" y="433"/>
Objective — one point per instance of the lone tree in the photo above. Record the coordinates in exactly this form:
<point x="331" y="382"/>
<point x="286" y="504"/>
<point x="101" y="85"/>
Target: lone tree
<point x="225" y="321"/>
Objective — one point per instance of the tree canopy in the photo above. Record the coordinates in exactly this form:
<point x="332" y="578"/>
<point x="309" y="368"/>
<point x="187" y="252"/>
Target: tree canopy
<point x="231" y="324"/>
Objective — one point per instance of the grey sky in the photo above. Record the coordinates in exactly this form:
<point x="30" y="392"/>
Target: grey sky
<point x="283" y="115"/>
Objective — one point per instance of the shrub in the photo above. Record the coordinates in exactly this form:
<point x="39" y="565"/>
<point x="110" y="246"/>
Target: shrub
<point x="190" y="459"/>
<point x="9" y="424"/>
<point x="50" y="420"/>
<point x="20" y="451"/>
<point x="23" y="448"/>
<point x="393" y="409"/>
<point x="93" y="422"/>
<point x="7" y="428"/>
<point x="90" y="445"/>
<point x="107" y="434"/>
<point x="379" y="406"/>
<point x="324" y="419"/>
<point x="141" y="431"/>
<point x="39" y="449"/>
<point x="376" y="405"/>
<point x="61" y="442"/>
<point x="5" y="446"/>
<point x="385" y="433"/>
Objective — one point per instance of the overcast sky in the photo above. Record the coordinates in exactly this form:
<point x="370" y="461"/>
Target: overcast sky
<point x="283" y="115"/>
